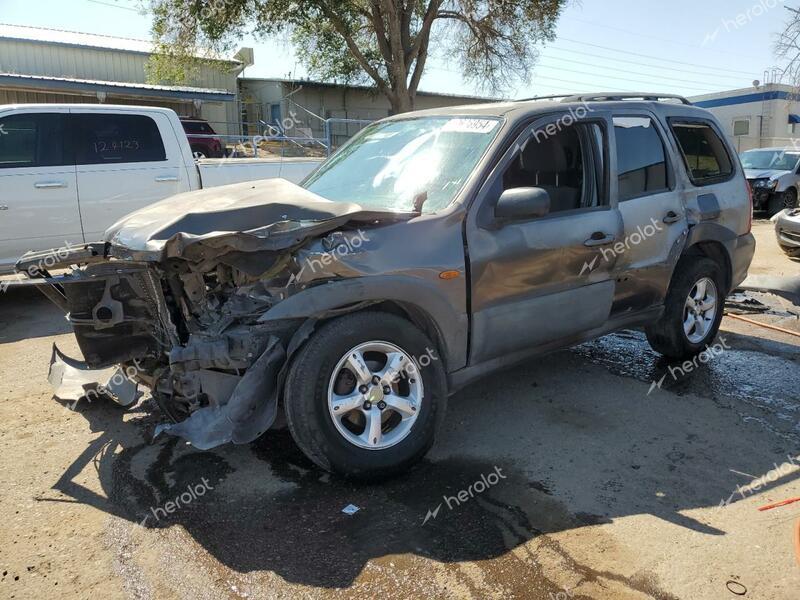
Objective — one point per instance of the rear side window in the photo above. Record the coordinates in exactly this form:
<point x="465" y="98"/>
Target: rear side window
<point x="32" y="140"/>
<point x="197" y="127"/>
<point x="641" y="161"/>
<point x="703" y="152"/>
<point x="110" y="139"/>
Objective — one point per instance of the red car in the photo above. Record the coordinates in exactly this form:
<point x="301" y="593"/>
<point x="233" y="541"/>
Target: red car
<point x="200" y="133"/>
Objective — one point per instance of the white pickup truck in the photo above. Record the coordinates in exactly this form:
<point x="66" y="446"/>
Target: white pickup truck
<point x="70" y="171"/>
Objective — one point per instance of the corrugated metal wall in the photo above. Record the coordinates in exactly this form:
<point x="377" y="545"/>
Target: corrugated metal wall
<point x="57" y="60"/>
<point x="54" y="60"/>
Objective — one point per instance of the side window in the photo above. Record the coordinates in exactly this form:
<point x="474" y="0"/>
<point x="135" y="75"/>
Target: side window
<point x="641" y="161"/>
<point x="703" y="152"/>
<point x="32" y="140"/>
<point x="116" y="138"/>
<point x="566" y="161"/>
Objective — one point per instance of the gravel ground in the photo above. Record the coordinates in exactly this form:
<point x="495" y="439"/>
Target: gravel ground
<point x="598" y="484"/>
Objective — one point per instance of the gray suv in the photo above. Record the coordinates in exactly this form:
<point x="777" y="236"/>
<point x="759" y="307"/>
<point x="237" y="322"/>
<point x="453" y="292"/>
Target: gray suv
<point x="434" y="248"/>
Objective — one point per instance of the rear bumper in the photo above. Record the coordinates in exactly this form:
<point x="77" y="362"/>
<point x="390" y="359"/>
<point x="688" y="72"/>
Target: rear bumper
<point x="742" y="257"/>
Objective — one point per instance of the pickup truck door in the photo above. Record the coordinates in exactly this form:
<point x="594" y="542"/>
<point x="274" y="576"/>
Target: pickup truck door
<point x="125" y="161"/>
<point x="38" y="191"/>
<point x="544" y="280"/>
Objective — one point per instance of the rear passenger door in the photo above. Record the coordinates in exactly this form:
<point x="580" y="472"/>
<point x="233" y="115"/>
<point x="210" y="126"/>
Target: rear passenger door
<point x="38" y="192"/>
<point x="125" y="161"/>
<point x="653" y="213"/>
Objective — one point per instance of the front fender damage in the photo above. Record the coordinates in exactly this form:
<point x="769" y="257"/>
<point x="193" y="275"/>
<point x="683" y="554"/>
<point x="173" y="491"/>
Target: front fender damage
<point x="178" y="310"/>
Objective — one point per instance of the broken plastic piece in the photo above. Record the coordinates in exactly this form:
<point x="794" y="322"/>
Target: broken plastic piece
<point x="350" y="509"/>
<point x="73" y="380"/>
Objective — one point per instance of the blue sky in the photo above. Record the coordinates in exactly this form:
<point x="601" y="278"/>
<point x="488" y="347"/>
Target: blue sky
<point x="682" y="46"/>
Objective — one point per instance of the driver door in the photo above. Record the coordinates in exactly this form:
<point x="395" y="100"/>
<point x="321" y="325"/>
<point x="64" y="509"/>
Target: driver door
<point x="536" y="281"/>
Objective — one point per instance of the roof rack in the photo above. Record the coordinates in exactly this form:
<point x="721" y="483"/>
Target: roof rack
<point x="553" y="97"/>
<point x="614" y="97"/>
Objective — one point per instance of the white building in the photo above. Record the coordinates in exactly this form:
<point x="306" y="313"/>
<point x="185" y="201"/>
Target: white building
<point x="51" y="65"/>
<point x="756" y="117"/>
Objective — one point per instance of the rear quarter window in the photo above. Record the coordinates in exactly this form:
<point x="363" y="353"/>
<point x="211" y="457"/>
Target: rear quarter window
<point x="118" y="138"/>
<point x="704" y="153"/>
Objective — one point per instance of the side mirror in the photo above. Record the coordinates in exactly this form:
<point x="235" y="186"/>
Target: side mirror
<point x="523" y="203"/>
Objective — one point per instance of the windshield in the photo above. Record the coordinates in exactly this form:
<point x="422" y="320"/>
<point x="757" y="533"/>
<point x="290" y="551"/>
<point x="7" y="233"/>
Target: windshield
<point x="400" y="165"/>
<point x="770" y="159"/>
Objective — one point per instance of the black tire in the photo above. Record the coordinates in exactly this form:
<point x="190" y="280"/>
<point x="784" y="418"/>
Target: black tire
<point x="667" y="336"/>
<point x="306" y="396"/>
<point x="777" y="202"/>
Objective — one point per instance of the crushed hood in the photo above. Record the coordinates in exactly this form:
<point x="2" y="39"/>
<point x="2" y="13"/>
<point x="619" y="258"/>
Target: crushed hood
<point x="266" y="215"/>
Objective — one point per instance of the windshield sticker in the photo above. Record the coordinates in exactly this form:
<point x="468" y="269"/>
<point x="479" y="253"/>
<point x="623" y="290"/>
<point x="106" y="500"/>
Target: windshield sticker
<point x="470" y="125"/>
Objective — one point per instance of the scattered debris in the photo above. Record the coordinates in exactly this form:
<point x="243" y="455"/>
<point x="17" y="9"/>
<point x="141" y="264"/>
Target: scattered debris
<point x="766" y="325"/>
<point x="777" y="504"/>
<point x="350" y="509"/>
<point x="734" y="587"/>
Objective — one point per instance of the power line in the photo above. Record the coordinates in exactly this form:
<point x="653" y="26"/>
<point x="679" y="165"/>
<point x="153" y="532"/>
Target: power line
<point x="641" y="64"/>
<point x="678" y="62"/>
<point x="657" y="75"/>
<point x="660" y="39"/>
<point x="603" y="75"/>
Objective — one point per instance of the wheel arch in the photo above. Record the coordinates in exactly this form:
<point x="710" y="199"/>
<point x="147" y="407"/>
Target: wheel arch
<point x="715" y="242"/>
<point x="416" y="301"/>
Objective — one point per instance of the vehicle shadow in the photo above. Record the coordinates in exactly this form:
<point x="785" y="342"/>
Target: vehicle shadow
<point x="26" y="313"/>
<point x="549" y="458"/>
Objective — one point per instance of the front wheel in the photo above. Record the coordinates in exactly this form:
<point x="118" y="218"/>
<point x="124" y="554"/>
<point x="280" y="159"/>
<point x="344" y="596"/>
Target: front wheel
<point x="692" y="310"/>
<point x="365" y="396"/>
<point x="778" y="202"/>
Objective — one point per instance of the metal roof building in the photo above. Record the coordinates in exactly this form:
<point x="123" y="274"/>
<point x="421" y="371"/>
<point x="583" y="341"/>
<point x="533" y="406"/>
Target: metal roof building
<point x="51" y="65"/>
<point x="756" y="117"/>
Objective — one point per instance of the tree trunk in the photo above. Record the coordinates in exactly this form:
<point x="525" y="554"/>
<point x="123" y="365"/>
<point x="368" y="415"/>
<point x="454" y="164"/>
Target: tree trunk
<point x="401" y="101"/>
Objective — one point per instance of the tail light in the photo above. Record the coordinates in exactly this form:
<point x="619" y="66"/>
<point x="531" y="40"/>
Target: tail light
<point x="750" y="200"/>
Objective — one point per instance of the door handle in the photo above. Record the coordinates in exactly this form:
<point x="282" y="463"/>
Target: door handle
<point x="166" y="179"/>
<point x="599" y="239"/>
<point x="671" y="217"/>
<point x="46" y="185"/>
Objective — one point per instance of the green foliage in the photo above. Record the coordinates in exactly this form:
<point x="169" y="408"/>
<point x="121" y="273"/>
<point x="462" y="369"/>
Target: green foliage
<point x="383" y="42"/>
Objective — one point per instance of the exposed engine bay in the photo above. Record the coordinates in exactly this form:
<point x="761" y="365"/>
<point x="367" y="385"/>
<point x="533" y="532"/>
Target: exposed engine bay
<point x="176" y="296"/>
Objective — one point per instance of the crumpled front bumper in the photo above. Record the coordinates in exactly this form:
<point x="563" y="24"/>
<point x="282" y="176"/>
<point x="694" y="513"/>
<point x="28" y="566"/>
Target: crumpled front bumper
<point x="74" y="380"/>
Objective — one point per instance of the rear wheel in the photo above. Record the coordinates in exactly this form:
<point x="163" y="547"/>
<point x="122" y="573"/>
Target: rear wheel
<point x="692" y="310"/>
<point x="365" y="396"/>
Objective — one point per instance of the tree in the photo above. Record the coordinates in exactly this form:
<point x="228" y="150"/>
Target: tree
<point x="787" y="47"/>
<point x="383" y="42"/>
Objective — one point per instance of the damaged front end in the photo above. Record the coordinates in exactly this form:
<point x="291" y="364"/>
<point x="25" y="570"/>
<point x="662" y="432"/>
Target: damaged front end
<point x="174" y="299"/>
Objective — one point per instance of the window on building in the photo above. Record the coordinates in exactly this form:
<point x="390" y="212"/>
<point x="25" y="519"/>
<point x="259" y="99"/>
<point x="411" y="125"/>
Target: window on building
<point x="118" y="138"/>
<point x="32" y="140"/>
<point x="741" y="127"/>
<point x="641" y="161"/>
<point x="703" y="152"/>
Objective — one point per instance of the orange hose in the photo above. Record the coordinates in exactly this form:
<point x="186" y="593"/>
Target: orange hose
<point x="797" y="541"/>
<point x="768" y="326"/>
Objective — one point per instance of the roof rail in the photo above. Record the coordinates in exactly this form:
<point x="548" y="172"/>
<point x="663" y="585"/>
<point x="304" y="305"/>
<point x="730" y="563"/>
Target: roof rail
<point x="611" y="97"/>
<point x="553" y="97"/>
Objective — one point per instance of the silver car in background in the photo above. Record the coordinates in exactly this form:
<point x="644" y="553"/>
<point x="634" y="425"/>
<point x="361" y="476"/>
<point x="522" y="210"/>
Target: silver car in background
<point x="787" y="230"/>
<point x="774" y="177"/>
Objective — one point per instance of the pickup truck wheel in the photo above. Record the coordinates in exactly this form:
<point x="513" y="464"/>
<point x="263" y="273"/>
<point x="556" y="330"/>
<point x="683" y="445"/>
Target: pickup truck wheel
<point x="366" y="395"/>
<point x="692" y="310"/>
<point x="777" y="202"/>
